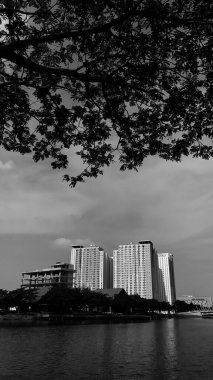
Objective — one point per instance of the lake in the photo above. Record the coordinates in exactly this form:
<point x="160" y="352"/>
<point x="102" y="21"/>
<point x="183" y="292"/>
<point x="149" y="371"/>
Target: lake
<point x="167" y="349"/>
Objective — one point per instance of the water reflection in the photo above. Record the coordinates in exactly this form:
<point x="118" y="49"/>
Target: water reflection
<point x="169" y="349"/>
<point x="164" y="350"/>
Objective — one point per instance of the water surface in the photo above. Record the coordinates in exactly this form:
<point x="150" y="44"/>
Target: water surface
<point x="168" y="349"/>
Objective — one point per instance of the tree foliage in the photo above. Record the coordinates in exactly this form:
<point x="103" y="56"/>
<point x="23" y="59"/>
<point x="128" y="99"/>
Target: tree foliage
<point x="181" y="306"/>
<point x="20" y="298"/>
<point x="62" y="299"/>
<point x="107" y="80"/>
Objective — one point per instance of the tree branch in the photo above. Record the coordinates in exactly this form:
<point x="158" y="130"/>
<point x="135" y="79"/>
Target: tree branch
<point x="33" y="66"/>
<point x="53" y="37"/>
<point x="13" y="10"/>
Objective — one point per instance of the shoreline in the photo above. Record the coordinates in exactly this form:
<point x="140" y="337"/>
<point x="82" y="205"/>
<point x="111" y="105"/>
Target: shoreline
<point x="44" y="319"/>
<point x="39" y="319"/>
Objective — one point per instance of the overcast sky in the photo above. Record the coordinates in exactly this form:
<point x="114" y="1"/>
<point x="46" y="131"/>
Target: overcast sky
<point x="167" y="203"/>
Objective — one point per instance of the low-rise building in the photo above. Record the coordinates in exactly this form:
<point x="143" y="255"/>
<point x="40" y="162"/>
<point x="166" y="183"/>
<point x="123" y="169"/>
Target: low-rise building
<point x="203" y="303"/>
<point x="112" y="292"/>
<point x="58" y="274"/>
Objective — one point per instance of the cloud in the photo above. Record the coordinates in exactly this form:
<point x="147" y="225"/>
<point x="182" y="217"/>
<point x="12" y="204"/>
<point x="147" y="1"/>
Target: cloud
<point x="164" y="201"/>
<point x="64" y="242"/>
<point x="33" y="199"/>
<point x="7" y="165"/>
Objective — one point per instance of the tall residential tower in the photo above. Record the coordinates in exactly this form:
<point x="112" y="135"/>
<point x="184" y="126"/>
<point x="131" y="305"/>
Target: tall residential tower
<point x="135" y="269"/>
<point x="93" y="267"/>
<point x="166" y="278"/>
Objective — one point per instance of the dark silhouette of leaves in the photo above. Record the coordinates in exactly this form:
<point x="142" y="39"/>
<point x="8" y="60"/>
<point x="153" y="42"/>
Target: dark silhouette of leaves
<point x="114" y="80"/>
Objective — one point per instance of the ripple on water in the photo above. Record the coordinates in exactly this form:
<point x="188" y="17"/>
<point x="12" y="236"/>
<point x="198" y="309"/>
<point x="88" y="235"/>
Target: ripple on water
<point x="170" y="349"/>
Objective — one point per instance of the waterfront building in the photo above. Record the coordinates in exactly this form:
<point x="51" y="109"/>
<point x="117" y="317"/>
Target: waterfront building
<point x="166" y="278"/>
<point x="112" y="293"/>
<point x="92" y="267"/>
<point x="58" y="274"/>
<point x="203" y="303"/>
<point x="135" y="269"/>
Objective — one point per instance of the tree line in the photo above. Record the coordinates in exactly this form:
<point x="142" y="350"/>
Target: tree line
<point x="64" y="300"/>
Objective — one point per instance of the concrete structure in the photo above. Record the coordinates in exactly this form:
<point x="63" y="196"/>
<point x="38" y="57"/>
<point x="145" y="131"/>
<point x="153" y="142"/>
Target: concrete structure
<point x="135" y="269"/>
<point x="93" y="267"/>
<point x="166" y="278"/>
<point x="58" y="274"/>
<point x="203" y="303"/>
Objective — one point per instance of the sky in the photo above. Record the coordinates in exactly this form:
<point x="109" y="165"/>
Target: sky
<point x="165" y="202"/>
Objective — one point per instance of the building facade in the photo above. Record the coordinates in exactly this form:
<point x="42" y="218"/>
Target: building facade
<point x="203" y="303"/>
<point x="92" y="267"/>
<point x="58" y="274"/>
<point x="166" y="278"/>
<point x="135" y="269"/>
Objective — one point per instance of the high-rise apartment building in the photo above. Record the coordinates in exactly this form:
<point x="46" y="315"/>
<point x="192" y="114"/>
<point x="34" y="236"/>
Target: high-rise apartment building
<point x="166" y="278"/>
<point x="92" y="267"/>
<point x="135" y="269"/>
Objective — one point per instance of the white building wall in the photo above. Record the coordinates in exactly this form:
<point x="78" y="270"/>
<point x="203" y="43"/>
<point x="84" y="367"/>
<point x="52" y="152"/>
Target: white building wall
<point x="91" y="265"/>
<point x="134" y="269"/>
<point x="166" y="278"/>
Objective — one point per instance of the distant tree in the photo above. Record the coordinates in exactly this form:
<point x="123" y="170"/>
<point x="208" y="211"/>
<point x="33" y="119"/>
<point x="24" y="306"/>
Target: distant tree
<point x="98" y="300"/>
<point x="121" y="303"/>
<point x="61" y="299"/>
<point x="111" y="79"/>
<point x="181" y="306"/>
<point x="3" y="294"/>
<point x="164" y="306"/>
<point x="153" y="305"/>
<point x="138" y="304"/>
<point x="21" y="298"/>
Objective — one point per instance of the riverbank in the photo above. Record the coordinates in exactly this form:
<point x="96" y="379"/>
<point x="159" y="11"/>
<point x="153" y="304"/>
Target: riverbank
<point x="39" y="319"/>
<point x="51" y="318"/>
<point x="189" y="314"/>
